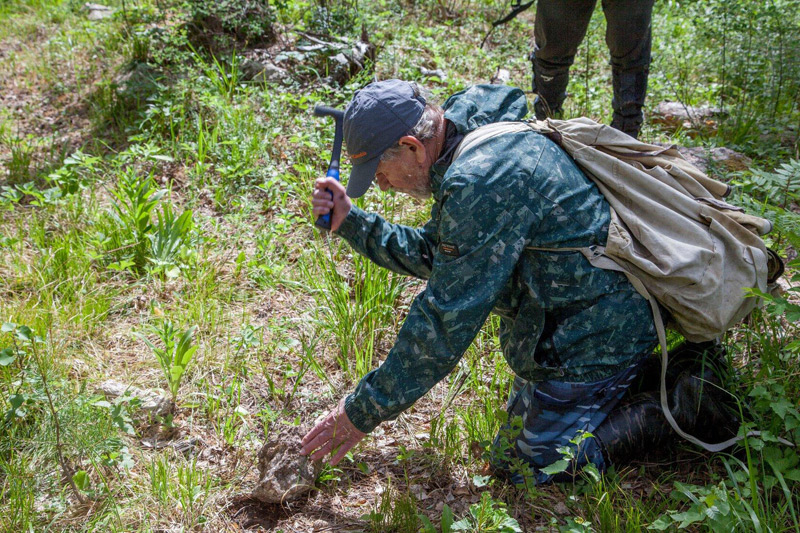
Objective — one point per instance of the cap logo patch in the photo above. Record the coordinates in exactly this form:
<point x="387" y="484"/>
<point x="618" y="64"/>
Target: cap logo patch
<point x="356" y="156"/>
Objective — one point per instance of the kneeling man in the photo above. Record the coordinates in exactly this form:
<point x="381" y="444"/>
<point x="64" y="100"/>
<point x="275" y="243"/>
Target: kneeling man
<point x="578" y="338"/>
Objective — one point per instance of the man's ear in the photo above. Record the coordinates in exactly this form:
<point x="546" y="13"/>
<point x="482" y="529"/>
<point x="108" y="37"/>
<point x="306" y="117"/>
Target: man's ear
<point x="415" y="145"/>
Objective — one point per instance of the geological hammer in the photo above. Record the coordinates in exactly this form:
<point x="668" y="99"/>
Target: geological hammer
<point x="324" y="221"/>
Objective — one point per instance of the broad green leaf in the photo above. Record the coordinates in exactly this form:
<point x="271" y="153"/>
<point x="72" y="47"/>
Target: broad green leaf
<point x="24" y="333"/>
<point x="427" y="525"/>
<point x="16" y="410"/>
<point x="81" y="480"/>
<point x="689" y="517"/>
<point x="187" y="356"/>
<point x="127" y="459"/>
<point x="8" y="327"/>
<point x="781" y="406"/>
<point x="510" y="525"/>
<point x="462" y="525"/>
<point x="591" y="471"/>
<point x="447" y="519"/>
<point x="16" y="401"/>
<point x="481" y="481"/>
<point x="661" y="524"/>
<point x="556" y="468"/>
<point x="121" y="265"/>
<point x="176" y="372"/>
<point x="7" y="357"/>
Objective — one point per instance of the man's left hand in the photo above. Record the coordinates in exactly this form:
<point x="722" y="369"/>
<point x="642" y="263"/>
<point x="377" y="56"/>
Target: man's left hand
<point x="335" y="435"/>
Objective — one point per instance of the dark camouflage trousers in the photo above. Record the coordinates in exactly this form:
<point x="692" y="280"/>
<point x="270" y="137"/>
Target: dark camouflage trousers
<point x="545" y="416"/>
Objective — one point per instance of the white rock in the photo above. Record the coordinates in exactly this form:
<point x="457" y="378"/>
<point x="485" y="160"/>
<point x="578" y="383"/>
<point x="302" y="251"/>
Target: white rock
<point x="431" y="73"/>
<point x="98" y="11"/>
<point x="152" y="401"/>
<point x="501" y="77"/>
<point x="263" y="70"/>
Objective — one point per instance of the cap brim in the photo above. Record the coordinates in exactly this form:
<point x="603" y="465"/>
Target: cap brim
<point x="361" y="177"/>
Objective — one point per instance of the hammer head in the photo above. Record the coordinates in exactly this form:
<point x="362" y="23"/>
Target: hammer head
<point x="338" y="116"/>
<point x="325" y="111"/>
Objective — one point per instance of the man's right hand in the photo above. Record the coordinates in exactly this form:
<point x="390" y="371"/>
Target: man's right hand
<point x="323" y="203"/>
<point x="334" y="434"/>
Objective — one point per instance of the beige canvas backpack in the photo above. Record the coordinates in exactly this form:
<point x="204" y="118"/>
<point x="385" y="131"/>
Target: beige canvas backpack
<point x="671" y="233"/>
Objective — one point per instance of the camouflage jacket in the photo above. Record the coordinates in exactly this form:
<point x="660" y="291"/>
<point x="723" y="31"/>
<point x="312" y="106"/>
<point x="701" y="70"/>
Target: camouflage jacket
<point x="560" y="317"/>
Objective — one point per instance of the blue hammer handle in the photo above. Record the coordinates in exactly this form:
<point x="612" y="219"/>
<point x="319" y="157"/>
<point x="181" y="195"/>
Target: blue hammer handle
<point x="324" y="221"/>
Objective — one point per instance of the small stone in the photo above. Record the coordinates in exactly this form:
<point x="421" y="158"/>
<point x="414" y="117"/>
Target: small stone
<point x="721" y="157"/>
<point x="284" y="474"/>
<point x="433" y="73"/>
<point x="263" y="71"/>
<point x="677" y="114"/>
<point x="152" y="401"/>
<point x="417" y="491"/>
<point x="98" y="11"/>
<point x="501" y="77"/>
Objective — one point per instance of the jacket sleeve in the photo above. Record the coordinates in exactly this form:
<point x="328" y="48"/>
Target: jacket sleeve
<point x="482" y="232"/>
<point x="401" y="249"/>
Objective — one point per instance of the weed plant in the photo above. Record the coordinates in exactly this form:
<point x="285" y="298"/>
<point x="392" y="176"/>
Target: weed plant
<point x="176" y="354"/>
<point x="354" y="311"/>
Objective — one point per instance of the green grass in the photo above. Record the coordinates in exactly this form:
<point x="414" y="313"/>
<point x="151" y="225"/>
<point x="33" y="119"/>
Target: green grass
<point x="143" y="181"/>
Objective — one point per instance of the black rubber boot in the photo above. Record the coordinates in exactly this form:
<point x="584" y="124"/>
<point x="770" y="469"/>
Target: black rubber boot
<point x="702" y="408"/>
<point x="634" y="429"/>
<point x="630" y="89"/>
<point x="550" y="85"/>
<point x="697" y="402"/>
<point x="686" y="356"/>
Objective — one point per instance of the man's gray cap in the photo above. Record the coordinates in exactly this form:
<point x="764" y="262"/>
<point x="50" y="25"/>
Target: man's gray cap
<point x="374" y="121"/>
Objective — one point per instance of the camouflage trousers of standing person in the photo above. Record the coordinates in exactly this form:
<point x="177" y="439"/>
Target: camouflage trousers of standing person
<point x="545" y="416"/>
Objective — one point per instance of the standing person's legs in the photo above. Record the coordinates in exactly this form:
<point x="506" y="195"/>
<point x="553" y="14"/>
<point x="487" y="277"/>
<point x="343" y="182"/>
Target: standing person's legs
<point x="558" y="31"/>
<point x="628" y="37"/>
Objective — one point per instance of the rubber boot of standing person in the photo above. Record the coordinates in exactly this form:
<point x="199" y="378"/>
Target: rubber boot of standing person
<point x="558" y="31"/>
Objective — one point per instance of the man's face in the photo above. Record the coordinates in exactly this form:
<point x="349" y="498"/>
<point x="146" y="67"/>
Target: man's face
<point x="406" y="174"/>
